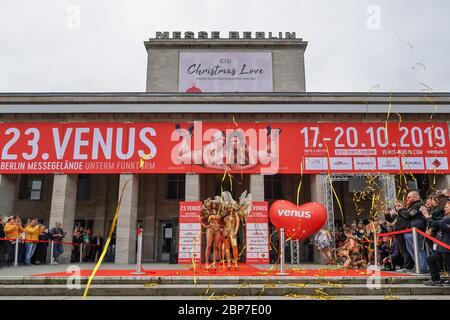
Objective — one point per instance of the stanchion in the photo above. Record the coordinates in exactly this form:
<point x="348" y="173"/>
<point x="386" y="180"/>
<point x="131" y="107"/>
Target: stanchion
<point x="416" y="249"/>
<point x="16" y="253"/>
<point x="52" y="248"/>
<point x="81" y="252"/>
<point x="139" y="253"/>
<point x="375" y="249"/>
<point x="281" y="249"/>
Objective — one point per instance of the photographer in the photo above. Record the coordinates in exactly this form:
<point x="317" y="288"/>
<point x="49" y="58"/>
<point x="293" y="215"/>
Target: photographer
<point x="399" y="223"/>
<point x="32" y="232"/>
<point x="443" y="234"/>
<point x="436" y="213"/>
<point x="13" y="230"/>
<point x="57" y="234"/>
<point x="411" y="213"/>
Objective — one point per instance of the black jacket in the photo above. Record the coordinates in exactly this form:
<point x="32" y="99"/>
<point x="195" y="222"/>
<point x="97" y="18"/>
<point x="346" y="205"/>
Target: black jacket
<point x="443" y="232"/>
<point x="400" y="223"/>
<point x="413" y="215"/>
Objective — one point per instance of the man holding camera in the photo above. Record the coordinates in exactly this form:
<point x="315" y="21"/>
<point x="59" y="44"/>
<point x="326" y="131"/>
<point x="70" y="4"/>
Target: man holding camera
<point x="13" y="229"/>
<point x="411" y="214"/>
<point x="57" y="234"/>
<point x="32" y="232"/>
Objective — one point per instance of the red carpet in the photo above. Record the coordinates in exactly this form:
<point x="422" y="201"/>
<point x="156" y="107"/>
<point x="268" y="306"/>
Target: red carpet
<point x="243" y="270"/>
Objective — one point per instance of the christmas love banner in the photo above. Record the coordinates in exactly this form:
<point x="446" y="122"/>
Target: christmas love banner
<point x="225" y="72"/>
<point x="189" y="232"/>
<point x="257" y="233"/>
<point x="213" y="147"/>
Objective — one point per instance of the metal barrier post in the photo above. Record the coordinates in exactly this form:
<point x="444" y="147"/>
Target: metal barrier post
<point x="375" y="249"/>
<point x="52" y="247"/>
<point x="281" y="249"/>
<point x="81" y="252"/>
<point x="139" y="253"/>
<point x="416" y="249"/>
<point x="16" y="253"/>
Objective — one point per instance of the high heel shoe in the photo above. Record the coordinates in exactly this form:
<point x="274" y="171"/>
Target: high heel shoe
<point x="229" y="267"/>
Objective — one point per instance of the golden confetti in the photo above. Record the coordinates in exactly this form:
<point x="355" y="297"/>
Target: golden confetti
<point x="300" y="285"/>
<point x="151" y="285"/>
<point x="330" y="284"/>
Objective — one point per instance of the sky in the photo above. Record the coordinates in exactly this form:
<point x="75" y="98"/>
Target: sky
<point x="97" y="45"/>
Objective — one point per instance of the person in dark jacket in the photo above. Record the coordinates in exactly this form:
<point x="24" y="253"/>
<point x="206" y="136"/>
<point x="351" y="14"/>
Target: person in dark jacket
<point x="412" y="214"/>
<point x="97" y="249"/>
<point x="399" y="223"/>
<point x="436" y="213"/>
<point x="40" y="255"/>
<point x="442" y="254"/>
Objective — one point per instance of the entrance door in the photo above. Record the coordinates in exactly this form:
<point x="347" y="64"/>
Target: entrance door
<point x="165" y="240"/>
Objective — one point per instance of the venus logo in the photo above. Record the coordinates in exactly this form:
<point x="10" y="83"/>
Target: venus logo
<point x="294" y="213"/>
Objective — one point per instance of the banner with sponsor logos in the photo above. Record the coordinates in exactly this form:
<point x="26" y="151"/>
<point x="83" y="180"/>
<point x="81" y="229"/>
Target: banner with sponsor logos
<point x="257" y="233"/>
<point x="213" y="147"/>
<point x="189" y="232"/>
<point x="225" y="72"/>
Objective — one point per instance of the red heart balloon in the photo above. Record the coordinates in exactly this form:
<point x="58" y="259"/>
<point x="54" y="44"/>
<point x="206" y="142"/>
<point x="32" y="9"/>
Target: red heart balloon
<point x="299" y="222"/>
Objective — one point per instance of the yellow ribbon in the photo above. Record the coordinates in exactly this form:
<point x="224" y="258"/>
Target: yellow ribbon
<point x="105" y="248"/>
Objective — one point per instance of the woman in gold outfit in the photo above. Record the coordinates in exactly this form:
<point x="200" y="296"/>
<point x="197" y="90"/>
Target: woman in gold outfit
<point x="211" y="220"/>
<point x="230" y="230"/>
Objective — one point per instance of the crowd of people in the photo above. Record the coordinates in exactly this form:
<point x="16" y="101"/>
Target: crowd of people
<point x="33" y="240"/>
<point x="355" y="243"/>
<point x="92" y="246"/>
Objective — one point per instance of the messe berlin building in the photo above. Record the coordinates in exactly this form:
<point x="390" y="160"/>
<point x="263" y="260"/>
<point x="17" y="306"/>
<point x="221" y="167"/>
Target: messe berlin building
<point x="69" y="156"/>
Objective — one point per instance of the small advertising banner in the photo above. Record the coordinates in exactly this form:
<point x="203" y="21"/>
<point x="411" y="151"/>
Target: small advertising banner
<point x="225" y="72"/>
<point x="189" y="232"/>
<point x="257" y="233"/>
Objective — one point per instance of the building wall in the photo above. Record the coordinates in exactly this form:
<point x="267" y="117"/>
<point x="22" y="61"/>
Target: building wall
<point x="287" y="64"/>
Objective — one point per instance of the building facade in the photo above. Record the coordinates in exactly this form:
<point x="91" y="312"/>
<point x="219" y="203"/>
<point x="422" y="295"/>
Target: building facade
<point x="151" y="200"/>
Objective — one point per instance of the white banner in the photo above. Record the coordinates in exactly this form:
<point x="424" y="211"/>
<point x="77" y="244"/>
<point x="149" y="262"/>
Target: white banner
<point x="225" y="72"/>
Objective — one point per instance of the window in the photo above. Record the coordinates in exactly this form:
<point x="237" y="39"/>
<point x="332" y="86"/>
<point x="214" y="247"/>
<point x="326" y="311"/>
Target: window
<point x="176" y="186"/>
<point x="272" y="186"/>
<point x="31" y="187"/>
<point x="84" y="187"/>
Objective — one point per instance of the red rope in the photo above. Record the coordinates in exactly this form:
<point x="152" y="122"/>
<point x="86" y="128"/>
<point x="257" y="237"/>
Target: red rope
<point x="440" y="243"/>
<point x="48" y="241"/>
<point x="393" y="232"/>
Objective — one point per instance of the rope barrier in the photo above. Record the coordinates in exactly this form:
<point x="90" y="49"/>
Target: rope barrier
<point x="48" y="241"/>
<point x="438" y="242"/>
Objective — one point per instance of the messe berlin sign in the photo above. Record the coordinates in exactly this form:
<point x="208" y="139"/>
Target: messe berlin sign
<point x="225" y="72"/>
<point x="213" y="147"/>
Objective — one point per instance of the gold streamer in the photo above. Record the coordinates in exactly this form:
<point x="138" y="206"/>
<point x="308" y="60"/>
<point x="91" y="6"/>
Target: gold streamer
<point x="105" y="248"/>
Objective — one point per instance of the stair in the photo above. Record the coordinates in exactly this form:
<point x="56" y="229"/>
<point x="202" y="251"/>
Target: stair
<point x="204" y="286"/>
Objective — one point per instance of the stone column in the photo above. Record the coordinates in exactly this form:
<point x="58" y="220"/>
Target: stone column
<point x="99" y="190"/>
<point x="318" y="195"/>
<point x="192" y="192"/>
<point x="64" y="200"/>
<point x="127" y="220"/>
<point x="257" y="187"/>
<point x="7" y="194"/>
<point x="150" y="218"/>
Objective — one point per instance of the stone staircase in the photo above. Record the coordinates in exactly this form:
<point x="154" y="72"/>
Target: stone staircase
<point x="216" y="287"/>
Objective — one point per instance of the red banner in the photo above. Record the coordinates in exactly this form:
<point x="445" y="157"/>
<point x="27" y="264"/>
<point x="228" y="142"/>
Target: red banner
<point x="206" y="147"/>
<point x="257" y="233"/>
<point x="189" y="232"/>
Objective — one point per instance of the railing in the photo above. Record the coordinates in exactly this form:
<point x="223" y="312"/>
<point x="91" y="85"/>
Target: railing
<point x="52" y="243"/>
